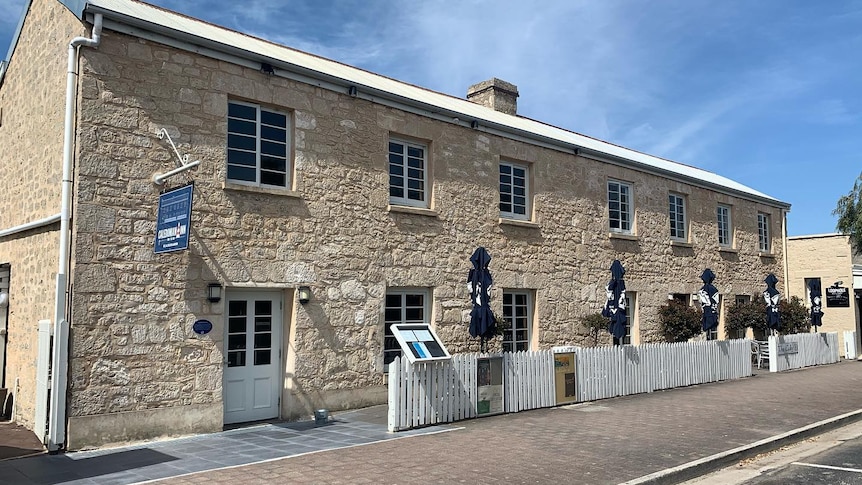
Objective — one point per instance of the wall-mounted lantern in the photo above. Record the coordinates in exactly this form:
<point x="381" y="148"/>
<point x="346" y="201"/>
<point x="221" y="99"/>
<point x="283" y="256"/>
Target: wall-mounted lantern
<point x="214" y="292"/>
<point x="304" y="294"/>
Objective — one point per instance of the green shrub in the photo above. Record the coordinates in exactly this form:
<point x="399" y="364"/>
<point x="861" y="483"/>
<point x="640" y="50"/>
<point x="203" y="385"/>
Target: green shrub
<point x="594" y="323"/>
<point x="679" y="322"/>
<point x="794" y="317"/>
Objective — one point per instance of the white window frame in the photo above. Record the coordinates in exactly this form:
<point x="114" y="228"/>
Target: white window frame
<point x="624" y="209"/>
<point x="260" y="140"/>
<point x="391" y="347"/>
<point x="764" y="243"/>
<point x="405" y="199"/>
<point x="678" y="217"/>
<point x="510" y="187"/>
<point x="510" y="341"/>
<point x="725" y="225"/>
<point x="631" y="300"/>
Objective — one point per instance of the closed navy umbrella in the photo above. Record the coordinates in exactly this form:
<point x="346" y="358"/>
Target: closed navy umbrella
<point x="708" y="296"/>
<point x="814" y="299"/>
<point x="771" y="296"/>
<point x="479" y="281"/>
<point x="615" y="307"/>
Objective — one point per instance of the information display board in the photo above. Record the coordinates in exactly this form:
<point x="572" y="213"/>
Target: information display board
<point x="837" y="296"/>
<point x="419" y="343"/>
<point x="489" y="385"/>
<point x="564" y="377"/>
<point x="174" y="220"/>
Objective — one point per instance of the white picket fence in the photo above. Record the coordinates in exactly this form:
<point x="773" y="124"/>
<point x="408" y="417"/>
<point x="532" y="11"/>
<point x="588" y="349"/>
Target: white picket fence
<point x="802" y="350"/>
<point x="445" y="391"/>
<point x="604" y="372"/>
<point x="850" y="351"/>
<point x="428" y="393"/>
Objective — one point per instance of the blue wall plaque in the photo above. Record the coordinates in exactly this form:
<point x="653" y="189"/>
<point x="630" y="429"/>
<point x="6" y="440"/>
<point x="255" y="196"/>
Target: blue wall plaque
<point x="174" y="220"/>
<point x="202" y="327"/>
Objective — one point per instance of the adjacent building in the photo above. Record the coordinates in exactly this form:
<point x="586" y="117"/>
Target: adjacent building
<point x="367" y="193"/>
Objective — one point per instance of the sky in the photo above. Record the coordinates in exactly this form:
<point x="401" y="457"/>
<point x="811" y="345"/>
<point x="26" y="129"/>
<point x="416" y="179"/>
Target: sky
<point x="767" y="92"/>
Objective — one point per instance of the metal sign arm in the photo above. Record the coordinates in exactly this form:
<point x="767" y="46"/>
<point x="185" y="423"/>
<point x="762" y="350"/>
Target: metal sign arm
<point x="182" y="161"/>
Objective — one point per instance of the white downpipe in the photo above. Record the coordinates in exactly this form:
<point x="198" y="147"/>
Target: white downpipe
<point x="784" y="253"/>
<point x="30" y="225"/>
<point x="60" y="357"/>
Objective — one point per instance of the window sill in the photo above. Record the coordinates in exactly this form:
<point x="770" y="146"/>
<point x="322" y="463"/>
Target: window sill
<point x="723" y="249"/>
<point x="624" y="236"/>
<point x="419" y="211"/>
<point x="518" y="223"/>
<point x="681" y="244"/>
<point x="259" y="190"/>
<point x="767" y="255"/>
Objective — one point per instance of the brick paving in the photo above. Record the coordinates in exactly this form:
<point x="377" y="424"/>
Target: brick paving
<point x="604" y="442"/>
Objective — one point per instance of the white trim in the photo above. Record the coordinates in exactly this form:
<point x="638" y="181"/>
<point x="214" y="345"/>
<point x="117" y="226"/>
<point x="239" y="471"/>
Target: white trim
<point x="405" y="186"/>
<point x="47" y="221"/>
<point x="630" y="212"/>
<point x="528" y="196"/>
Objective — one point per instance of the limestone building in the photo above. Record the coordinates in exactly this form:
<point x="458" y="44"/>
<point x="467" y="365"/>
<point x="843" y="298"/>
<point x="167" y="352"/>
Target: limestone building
<point x="369" y="193"/>
<point x="830" y="260"/>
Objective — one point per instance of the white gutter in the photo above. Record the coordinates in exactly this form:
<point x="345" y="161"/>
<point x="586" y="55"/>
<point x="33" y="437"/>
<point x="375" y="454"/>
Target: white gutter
<point x="30" y="225"/>
<point x="784" y="250"/>
<point x="60" y="357"/>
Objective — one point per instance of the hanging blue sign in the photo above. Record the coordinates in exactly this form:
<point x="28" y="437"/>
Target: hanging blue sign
<point x="202" y="327"/>
<point x="174" y="220"/>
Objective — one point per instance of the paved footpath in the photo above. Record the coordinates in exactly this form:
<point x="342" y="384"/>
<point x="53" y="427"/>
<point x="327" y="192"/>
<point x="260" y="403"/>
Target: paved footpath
<point x="662" y="437"/>
<point x="605" y="442"/>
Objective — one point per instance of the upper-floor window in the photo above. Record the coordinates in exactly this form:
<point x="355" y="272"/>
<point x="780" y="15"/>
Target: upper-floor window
<point x="403" y="305"/>
<point x="676" y="212"/>
<point x="518" y="313"/>
<point x="763" y="232"/>
<point x="258" y="145"/>
<point x="408" y="173"/>
<point x="514" y="191"/>
<point x="725" y="238"/>
<point x="620" y="207"/>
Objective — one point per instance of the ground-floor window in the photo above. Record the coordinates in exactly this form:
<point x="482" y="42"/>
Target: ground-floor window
<point x="631" y="299"/>
<point x="403" y="305"/>
<point x="518" y="313"/>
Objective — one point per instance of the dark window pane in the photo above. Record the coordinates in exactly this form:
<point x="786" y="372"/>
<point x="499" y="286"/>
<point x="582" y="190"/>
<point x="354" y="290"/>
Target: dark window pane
<point x="235" y="172"/>
<point x="415" y="184"/>
<point x="414" y="300"/>
<point x="505" y="179"/>
<point x="505" y="169"/>
<point x="273" y="148"/>
<point x="396" y="147"/>
<point x="242" y="126"/>
<point x="274" y="134"/>
<point x="275" y="119"/>
<point x="237" y="307"/>
<point x="242" y="142"/>
<point x="415" y="163"/>
<point x="393" y="300"/>
<point x="241" y="111"/>
<point x="273" y="178"/>
<point x="414" y="174"/>
<point x="414" y="315"/>
<point x="236" y="325"/>
<point x="237" y="157"/>
<point x="519" y="172"/>
<point x="415" y="152"/>
<point x="415" y="195"/>
<point x="396" y="192"/>
<point x="393" y="315"/>
<point x="396" y="181"/>
<point x="236" y="359"/>
<point x="505" y="198"/>
<point x="272" y="163"/>
<point x="262" y="324"/>
<point x="263" y="340"/>
<point x="236" y="342"/>
<point x="520" y="299"/>
<point x="262" y="357"/>
<point x="396" y="169"/>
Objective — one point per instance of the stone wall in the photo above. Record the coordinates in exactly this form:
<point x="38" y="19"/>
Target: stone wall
<point x="32" y="100"/>
<point x="828" y="258"/>
<point x="131" y="340"/>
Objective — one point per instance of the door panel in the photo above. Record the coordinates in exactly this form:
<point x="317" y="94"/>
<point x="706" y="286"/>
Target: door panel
<point x="252" y="372"/>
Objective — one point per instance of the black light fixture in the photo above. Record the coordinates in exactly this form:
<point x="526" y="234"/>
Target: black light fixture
<point x="474" y="124"/>
<point x="214" y="292"/>
<point x="837" y="284"/>
<point x="303" y="294"/>
<point x="267" y="68"/>
<point x="352" y="91"/>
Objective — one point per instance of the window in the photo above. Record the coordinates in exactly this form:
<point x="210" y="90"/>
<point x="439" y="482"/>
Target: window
<point x="257" y="146"/>
<point x="402" y="306"/>
<point x="724" y="228"/>
<point x="518" y="312"/>
<point x="763" y="231"/>
<point x="408" y="174"/>
<point x="741" y="300"/>
<point x="631" y="297"/>
<point x="514" y="191"/>
<point x="676" y="212"/>
<point x="620" y="207"/>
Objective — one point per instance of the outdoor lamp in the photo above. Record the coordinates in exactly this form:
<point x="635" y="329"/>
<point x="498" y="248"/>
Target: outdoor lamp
<point x="214" y="292"/>
<point x="837" y="284"/>
<point x="304" y="294"/>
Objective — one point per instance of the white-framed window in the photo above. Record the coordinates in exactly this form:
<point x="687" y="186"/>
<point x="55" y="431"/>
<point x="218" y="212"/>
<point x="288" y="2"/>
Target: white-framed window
<point x="725" y="228"/>
<point x="258" y="145"/>
<point x="620" y="207"/>
<point x="631" y="299"/>
<point x="676" y="212"/>
<point x="763" y="232"/>
<point x="408" y="173"/>
<point x="514" y="191"/>
<point x="403" y="305"/>
<point x="518" y="313"/>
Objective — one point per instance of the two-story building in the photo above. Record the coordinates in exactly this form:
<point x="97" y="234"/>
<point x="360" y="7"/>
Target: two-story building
<point x="368" y="193"/>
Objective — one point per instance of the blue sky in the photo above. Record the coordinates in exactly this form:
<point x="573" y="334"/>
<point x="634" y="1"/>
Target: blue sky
<point x="767" y="92"/>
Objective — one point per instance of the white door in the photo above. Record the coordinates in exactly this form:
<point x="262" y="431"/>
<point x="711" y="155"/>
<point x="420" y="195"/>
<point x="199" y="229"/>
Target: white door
<point x="252" y="376"/>
<point x="4" y="305"/>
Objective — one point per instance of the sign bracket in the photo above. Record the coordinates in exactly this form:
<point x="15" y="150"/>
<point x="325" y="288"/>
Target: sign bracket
<point x="182" y="161"/>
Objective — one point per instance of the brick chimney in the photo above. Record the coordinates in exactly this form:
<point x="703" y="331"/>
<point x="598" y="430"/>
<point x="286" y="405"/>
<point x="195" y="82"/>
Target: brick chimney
<point x="495" y="94"/>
